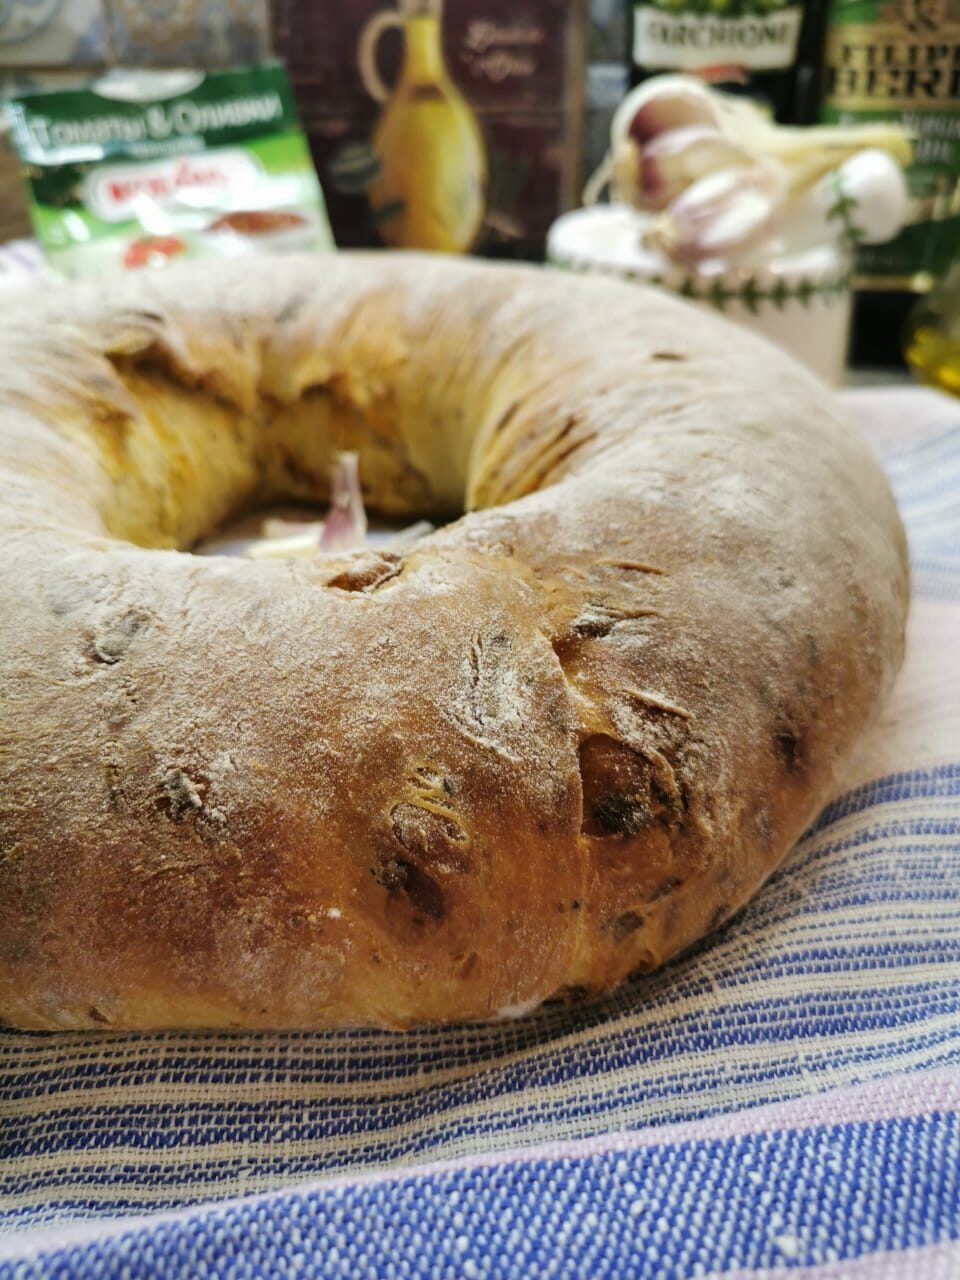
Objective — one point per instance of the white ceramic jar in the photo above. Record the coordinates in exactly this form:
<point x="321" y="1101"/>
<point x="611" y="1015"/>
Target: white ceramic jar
<point x="800" y="300"/>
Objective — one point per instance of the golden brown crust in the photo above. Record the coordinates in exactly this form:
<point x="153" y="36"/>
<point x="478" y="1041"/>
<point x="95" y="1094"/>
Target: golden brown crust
<point x="556" y="742"/>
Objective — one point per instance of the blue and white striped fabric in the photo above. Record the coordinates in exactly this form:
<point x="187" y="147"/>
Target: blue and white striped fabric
<point x="784" y="1100"/>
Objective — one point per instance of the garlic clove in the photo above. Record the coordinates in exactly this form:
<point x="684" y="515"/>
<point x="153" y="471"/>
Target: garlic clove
<point x="344" y="529"/>
<point x="346" y="524"/>
<point x="663" y="103"/>
<point x="282" y="548"/>
<point x="720" y="215"/>
<point x="278" y="527"/>
<point x="674" y="160"/>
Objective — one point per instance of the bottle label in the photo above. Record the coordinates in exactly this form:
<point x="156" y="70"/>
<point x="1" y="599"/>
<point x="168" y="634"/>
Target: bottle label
<point x="904" y="63"/>
<point x="765" y="40"/>
<point x="900" y="60"/>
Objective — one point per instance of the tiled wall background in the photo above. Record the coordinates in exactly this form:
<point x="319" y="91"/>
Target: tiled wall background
<point x="50" y="43"/>
<point x="48" y="34"/>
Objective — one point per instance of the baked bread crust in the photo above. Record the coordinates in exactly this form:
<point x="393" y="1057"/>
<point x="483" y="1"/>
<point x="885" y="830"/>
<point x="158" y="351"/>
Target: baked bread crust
<point x="555" y="743"/>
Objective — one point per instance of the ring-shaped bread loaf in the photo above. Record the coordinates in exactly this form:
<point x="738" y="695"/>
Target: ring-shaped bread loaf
<point x="553" y="744"/>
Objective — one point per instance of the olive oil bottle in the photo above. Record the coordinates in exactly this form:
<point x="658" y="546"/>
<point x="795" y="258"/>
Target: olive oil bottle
<point x="430" y="190"/>
<point x="933" y="334"/>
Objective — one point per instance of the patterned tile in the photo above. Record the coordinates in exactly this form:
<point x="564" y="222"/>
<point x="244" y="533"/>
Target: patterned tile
<point x="44" y="33"/>
<point x="188" y="32"/>
<point x="17" y="80"/>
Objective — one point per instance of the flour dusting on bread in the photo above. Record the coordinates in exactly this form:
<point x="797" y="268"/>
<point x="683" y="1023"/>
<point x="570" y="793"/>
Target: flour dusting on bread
<point x="549" y="745"/>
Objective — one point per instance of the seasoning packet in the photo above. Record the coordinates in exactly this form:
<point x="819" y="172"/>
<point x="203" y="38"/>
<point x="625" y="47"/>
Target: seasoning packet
<point x="142" y="168"/>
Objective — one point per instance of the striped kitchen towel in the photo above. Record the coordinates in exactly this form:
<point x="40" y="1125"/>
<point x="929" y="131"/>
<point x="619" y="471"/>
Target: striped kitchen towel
<point x="784" y="1099"/>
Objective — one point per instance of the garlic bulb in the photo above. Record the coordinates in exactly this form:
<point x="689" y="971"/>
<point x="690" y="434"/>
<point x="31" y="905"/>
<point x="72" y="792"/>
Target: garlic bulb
<point x="724" y="178"/>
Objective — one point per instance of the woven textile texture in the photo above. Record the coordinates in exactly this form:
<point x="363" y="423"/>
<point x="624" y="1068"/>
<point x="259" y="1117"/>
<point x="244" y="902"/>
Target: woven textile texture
<point x="783" y="1100"/>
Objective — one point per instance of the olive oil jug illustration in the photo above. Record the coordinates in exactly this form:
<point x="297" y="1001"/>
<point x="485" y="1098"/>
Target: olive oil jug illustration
<point x="430" y="190"/>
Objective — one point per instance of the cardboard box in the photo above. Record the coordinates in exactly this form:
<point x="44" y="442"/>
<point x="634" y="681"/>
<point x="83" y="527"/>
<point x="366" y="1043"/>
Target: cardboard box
<point x="455" y="129"/>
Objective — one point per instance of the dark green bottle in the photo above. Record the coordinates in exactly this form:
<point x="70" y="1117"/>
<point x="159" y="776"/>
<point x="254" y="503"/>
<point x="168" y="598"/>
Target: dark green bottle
<point x="900" y="61"/>
<point x="770" y="50"/>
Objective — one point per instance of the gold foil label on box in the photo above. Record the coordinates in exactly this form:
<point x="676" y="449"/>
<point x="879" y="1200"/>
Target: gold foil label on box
<point x="451" y="127"/>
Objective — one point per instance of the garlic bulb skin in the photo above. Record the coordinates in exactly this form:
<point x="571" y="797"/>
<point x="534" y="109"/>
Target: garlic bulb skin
<point x="875" y="183"/>
<point x="864" y="201"/>
<point x="663" y="103"/>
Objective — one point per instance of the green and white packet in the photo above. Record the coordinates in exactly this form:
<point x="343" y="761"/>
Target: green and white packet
<point x="142" y="168"/>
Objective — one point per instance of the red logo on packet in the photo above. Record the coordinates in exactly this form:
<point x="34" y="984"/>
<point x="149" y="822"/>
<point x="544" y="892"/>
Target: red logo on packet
<point x="117" y="192"/>
<point x="161" y="186"/>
